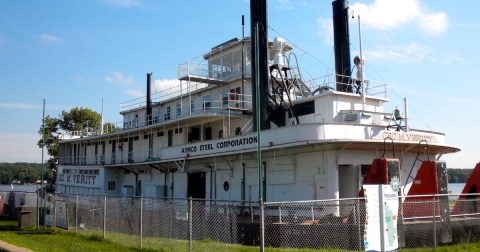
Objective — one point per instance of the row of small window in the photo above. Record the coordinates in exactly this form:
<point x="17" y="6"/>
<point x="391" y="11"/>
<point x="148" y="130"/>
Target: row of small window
<point x="167" y="116"/>
<point x="81" y="171"/>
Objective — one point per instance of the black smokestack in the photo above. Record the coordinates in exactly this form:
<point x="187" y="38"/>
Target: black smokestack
<point x="258" y="14"/>
<point x="149" y="99"/>
<point x="342" y="45"/>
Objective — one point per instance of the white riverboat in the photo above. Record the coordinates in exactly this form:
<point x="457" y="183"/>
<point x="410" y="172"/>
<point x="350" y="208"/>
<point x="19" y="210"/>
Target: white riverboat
<point x="199" y="138"/>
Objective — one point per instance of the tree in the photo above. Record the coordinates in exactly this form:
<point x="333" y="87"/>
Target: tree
<point x="109" y="128"/>
<point x="77" y="119"/>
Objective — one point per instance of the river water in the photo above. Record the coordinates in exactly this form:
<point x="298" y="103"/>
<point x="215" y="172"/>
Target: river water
<point x="19" y="188"/>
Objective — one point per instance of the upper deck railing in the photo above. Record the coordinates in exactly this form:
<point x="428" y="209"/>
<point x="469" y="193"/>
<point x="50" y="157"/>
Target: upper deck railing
<point x="312" y="87"/>
<point x="165" y="93"/>
<point x="233" y="102"/>
<point x="204" y="72"/>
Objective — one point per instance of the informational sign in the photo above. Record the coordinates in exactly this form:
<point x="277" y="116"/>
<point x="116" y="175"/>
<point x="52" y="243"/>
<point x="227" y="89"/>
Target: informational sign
<point x="381" y="208"/>
<point x="49" y="207"/>
<point x="61" y="219"/>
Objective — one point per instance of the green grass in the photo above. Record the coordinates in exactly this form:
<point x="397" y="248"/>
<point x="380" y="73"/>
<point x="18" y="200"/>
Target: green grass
<point x="60" y="240"/>
<point x="56" y="240"/>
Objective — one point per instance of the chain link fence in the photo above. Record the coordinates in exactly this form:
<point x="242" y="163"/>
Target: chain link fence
<point x="21" y="205"/>
<point x="432" y="220"/>
<point x="332" y="224"/>
<point x="207" y="225"/>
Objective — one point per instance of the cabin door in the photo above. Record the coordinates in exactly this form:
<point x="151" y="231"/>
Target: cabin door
<point x="196" y="185"/>
<point x="348" y="186"/>
<point x="348" y="181"/>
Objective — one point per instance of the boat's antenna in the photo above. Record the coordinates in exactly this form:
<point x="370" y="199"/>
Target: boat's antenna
<point x="243" y="59"/>
<point x="362" y="78"/>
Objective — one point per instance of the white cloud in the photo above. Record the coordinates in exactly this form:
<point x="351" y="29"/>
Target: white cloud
<point x="434" y="24"/>
<point x="411" y="53"/>
<point x="168" y="88"/>
<point x="135" y="93"/>
<point x="20" y="147"/>
<point x="283" y="4"/>
<point x="118" y="78"/>
<point x="451" y="57"/>
<point x="124" y="3"/>
<point x="326" y="30"/>
<point x="165" y="85"/>
<point x="389" y="14"/>
<point x="50" y="38"/>
<point x="165" y="89"/>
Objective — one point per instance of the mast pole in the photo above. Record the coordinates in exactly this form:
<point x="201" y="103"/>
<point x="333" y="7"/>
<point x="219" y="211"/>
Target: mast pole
<point x="362" y="79"/>
<point x="42" y="196"/>
<point x="243" y="60"/>
<point x="259" y="144"/>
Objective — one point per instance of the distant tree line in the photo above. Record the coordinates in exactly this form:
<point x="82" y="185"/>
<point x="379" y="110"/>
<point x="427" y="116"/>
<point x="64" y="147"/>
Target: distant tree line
<point x="26" y="173"/>
<point x="459" y="175"/>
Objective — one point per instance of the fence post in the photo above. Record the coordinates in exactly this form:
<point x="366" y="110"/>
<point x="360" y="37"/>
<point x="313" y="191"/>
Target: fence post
<point x="76" y="214"/>
<point x="190" y="217"/>
<point x="262" y="226"/>
<point x="104" y="214"/>
<point x="141" y="222"/>
<point x="434" y="222"/>
<point x="359" y="221"/>
<point x="54" y="221"/>
<point x="38" y="210"/>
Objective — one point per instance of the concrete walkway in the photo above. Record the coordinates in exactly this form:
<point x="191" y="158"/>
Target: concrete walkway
<point x="12" y="248"/>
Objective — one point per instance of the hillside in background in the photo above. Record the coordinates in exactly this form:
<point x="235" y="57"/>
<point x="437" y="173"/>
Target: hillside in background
<point x="458" y="175"/>
<point x="25" y="173"/>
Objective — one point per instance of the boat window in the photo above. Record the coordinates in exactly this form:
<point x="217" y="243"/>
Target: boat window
<point x="238" y="131"/>
<point x="179" y="109"/>
<point x="170" y="138"/>
<point x="225" y="96"/>
<point x="220" y="134"/>
<point x="207" y="102"/>
<point x="238" y="92"/>
<point x="155" y="115"/>
<point x="303" y="109"/>
<point x="167" y="114"/>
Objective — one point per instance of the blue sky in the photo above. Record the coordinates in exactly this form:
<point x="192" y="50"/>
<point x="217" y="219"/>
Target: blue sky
<point x="76" y="53"/>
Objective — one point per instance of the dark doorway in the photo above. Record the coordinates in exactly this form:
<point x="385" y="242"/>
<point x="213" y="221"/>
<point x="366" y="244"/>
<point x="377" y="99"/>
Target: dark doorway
<point x="196" y="185"/>
<point x="208" y="133"/>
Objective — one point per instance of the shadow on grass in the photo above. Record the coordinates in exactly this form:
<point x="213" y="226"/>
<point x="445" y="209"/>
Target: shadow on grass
<point x="29" y="232"/>
<point x="9" y="224"/>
